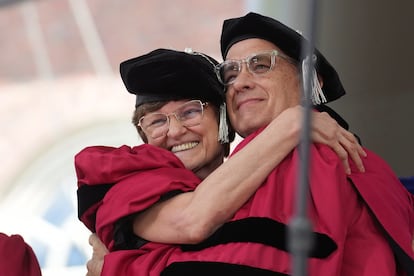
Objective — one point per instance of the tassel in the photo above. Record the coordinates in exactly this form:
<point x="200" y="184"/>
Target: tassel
<point x="223" y="132"/>
<point x="317" y="95"/>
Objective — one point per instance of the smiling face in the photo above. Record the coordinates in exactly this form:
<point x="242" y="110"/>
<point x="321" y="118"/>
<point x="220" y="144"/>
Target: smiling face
<point x="197" y="146"/>
<point x="253" y="101"/>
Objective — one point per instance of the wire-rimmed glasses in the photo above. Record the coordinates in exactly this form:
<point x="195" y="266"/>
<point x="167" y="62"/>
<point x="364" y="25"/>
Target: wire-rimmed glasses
<point x="156" y="124"/>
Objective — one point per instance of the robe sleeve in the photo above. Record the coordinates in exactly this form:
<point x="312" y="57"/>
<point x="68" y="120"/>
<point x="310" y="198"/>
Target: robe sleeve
<point x="390" y="203"/>
<point x="17" y="257"/>
<point x="138" y="192"/>
<point x="99" y="168"/>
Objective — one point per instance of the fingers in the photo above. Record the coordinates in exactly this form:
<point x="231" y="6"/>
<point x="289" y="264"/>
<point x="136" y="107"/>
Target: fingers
<point x="95" y="264"/>
<point x="353" y="148"/>
<point x="327" y="131"/>
<point x="99" y="248"/>
<point x="94" y="267"/>
<point x="343" y="155"/>
<point x="92" y="239"/>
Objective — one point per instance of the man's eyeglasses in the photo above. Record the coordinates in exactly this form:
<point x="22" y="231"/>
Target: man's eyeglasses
<point x="257" y="64"/>
<point x="156" y="125"/>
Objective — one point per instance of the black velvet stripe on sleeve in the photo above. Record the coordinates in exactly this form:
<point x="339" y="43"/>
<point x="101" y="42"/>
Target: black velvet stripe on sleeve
<point x="89" y="195"/>
<point x="262" y="230"/>
<point x="124" y="236"/>
<point x="215" y="268"/>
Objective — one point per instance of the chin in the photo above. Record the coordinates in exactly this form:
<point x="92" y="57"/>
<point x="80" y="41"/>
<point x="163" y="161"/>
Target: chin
<point x="246" y="130"/>
<point x="188" y="163"/>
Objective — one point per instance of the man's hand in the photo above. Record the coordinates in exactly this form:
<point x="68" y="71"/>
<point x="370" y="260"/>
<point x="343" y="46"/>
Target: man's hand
<point x="95" y="264"/>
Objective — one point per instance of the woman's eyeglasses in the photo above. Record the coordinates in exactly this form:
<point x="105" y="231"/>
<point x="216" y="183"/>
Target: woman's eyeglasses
<point x="257" y="64"/>
<point x="156" y="125"/>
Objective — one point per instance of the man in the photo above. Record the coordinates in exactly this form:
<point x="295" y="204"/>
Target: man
<point x="255" y="98"/>
<point x="262" y="78"/>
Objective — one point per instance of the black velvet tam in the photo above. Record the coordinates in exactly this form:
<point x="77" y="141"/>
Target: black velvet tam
<point x="165" y="75"/>
<point x="254" y="25"/>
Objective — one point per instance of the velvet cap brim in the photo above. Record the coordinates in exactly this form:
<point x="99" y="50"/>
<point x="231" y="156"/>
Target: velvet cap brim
<point x="165" y="75"/>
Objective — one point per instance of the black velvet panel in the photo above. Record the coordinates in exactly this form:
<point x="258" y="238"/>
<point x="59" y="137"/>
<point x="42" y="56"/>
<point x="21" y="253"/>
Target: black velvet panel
<point x="90" y="195"/>
<point x="264" y="231"/>
<point x="213" y="268"/>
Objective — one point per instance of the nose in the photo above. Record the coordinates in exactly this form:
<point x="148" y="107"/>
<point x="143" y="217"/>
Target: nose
<point x="244" y="79"/>
<point x="175" y="128"/>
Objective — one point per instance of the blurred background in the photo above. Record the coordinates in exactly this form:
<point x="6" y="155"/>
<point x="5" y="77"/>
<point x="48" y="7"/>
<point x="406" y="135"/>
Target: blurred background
<point x="60" y="91"/>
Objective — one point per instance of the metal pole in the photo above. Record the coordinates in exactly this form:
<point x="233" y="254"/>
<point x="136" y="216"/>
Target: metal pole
<point x="300" y="237"/>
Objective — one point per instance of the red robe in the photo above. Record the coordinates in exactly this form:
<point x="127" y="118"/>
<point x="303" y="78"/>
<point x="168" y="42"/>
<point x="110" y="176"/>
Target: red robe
<point x="17" y="257"/>
<point x="349" y="240"/>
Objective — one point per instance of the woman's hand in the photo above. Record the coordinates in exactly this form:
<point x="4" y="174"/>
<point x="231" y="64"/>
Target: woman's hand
<point x="95" y="264"/>
<point x="325" y="130"/>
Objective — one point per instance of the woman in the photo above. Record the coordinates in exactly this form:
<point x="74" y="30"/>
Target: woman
<point x="171" y="83"/>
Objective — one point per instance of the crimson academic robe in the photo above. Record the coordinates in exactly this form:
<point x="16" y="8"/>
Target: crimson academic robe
<point x="142" y="174"/>
<point x="349" y="240"/>
<point x="17" y="257"/>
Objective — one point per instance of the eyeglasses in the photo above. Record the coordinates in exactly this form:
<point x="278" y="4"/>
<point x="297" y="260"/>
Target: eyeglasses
<point x="156" y="125"/>
<point x="257" y="64"/>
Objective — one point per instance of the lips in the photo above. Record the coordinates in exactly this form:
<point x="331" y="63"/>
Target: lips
<point x="185" y="146"/>
<point x="242" y="103"/>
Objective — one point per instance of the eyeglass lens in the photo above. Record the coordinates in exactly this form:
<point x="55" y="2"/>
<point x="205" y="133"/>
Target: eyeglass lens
<point x="157" y="124"/>
<point x="256" y="64"/>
